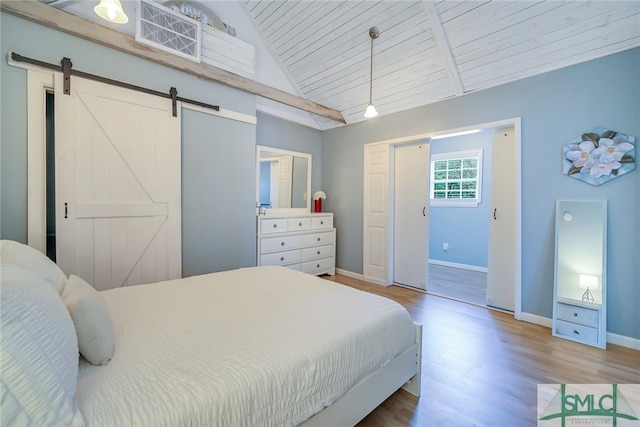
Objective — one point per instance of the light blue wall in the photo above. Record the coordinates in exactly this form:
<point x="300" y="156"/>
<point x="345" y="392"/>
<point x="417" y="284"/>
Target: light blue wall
<point x="218" y="155"/>
<point x="465" y="229"/>
<point x="218" y="187"/>
<point x="555" y="108"/>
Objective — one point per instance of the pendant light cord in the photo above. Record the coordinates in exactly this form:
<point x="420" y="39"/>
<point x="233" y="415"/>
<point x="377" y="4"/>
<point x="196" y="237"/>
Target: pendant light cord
<point x="371" y="76"/>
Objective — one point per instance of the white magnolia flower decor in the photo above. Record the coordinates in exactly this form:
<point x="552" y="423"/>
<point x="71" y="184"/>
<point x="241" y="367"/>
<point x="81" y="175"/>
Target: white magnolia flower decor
<point x="319" y="195"/>
<point x="599" y="156"/>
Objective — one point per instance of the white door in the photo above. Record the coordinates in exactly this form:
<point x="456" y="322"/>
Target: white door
<point x="502" y="228"/>
<point x="411" y="214"/>
<point x="118" y="184"/>
<point x="285" y="181"/>
<point x="376" y="211"/>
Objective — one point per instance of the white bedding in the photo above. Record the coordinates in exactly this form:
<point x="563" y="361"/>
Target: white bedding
<point x="255" y="346"/>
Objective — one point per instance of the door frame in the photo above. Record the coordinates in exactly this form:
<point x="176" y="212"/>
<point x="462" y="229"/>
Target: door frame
<point x="390" y="143"/>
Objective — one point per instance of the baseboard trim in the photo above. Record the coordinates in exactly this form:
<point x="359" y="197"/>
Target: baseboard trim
<point x="360" y="277"/>
<point x="623" y="341"/>
<point x="537" y="320"/>
<point x="612" y="338"/>
<point x="457" y="265"/>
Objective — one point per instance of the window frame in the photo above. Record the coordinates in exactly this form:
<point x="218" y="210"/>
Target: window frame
<point x="457" y="155"/>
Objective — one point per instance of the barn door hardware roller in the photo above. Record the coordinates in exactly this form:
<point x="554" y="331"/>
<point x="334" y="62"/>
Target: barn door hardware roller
<point x="66" y="67"/>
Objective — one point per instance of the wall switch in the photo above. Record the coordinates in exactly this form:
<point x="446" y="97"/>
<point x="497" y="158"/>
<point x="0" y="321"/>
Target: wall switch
<point x="445" y="246"/>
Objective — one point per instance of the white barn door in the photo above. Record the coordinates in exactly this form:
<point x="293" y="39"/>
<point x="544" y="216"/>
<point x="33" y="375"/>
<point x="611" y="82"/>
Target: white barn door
<point x="118" y="218"/>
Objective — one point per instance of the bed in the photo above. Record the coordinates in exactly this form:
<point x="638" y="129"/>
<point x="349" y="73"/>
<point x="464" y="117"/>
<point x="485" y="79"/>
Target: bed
<point x="253" y="346"/>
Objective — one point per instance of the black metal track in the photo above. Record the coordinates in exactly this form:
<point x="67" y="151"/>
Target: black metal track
<point x="66" y="68"/>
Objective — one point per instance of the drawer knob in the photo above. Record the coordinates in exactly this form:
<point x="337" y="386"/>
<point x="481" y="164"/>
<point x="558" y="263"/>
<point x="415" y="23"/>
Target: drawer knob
<point x="299" y="224"/>
<point x="321" y="222"/>
<point x="281" y="243"/>
<point x="575" y="314"/>
<point x="275" y="225"/>
<point x="318" y="239"/>
<point x="576" y="332"/>
<point x="317" y="265"/>
<point x="318" y="252"/>
<point x="281" y="258"/>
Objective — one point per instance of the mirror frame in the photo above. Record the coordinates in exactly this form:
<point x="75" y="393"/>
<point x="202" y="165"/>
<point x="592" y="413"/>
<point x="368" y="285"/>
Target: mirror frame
<point x="272" y="211"/>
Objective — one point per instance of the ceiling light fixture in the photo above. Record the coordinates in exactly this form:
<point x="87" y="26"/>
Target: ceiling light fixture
<point x="111" y="10"/>
<point x="371" y="110"/>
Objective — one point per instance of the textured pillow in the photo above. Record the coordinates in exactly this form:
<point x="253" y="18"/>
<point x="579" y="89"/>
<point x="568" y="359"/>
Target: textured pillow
<point x="39" y="353"/>
<point x="33" y="260"/>
<point x="92" y="320"/>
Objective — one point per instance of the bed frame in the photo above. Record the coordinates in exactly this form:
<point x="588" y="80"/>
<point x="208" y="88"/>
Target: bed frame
<point x="402" y="372"/>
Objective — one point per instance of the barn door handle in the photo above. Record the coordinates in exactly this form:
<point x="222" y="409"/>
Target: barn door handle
<point x="494" y="213"/>
<point x="65" y="209"/>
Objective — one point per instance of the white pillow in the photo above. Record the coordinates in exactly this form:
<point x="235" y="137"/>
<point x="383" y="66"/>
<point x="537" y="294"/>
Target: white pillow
<point x="92" y="320"/>
<point x="32" y="260"/>
<point x="39" y="353"/>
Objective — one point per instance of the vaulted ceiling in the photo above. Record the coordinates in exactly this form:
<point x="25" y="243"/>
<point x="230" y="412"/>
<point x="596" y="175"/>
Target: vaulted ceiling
<point x="427" y="51"/>
<point x="432" y="50"/>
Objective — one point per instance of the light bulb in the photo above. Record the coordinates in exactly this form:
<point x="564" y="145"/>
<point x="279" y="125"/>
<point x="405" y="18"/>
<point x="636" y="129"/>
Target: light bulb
<point x="371" y="111"/>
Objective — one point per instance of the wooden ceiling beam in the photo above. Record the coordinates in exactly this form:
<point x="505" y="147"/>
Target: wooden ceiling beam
<point x="51" y="17"/>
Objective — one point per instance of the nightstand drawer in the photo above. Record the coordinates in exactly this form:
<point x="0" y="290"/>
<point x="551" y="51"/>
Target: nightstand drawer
<point x="582" y="315"/>
<point x="274" y="244"/>
<point x="578" y="332"/>
<point x="280" y="258"/>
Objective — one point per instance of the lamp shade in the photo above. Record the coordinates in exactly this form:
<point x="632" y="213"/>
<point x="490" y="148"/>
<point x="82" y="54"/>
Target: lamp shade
<point x="371" y="111"/>
<point x="588" y="282"/>
<point x="111" y="10"/>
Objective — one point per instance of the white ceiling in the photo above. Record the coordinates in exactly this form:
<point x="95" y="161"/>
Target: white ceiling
<point x="427" y="50"/>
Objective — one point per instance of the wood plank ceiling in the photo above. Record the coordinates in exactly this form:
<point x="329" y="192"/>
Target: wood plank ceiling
<point x="429" y="51"/>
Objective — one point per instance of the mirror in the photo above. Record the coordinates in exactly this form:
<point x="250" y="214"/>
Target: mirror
<point x="283" y="181"/>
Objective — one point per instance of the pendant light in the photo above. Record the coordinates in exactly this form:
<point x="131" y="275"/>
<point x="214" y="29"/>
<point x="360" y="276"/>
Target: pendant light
<point x="371" y="110"/>
<point x="111" y="10"/>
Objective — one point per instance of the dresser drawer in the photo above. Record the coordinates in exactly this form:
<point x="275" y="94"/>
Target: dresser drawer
<point x="576" y="331"/>
<point x="316" y="239"/>
<point x="299" y="224"/>
<point x="284" y="243"/>
<point x="322" y="222"/>
<point x="317" y="252"/>
<point x="268" y="226"/>
<point x="280" y="258"/>
<point x="318" y="265"/>
<point x="582" y="315"/>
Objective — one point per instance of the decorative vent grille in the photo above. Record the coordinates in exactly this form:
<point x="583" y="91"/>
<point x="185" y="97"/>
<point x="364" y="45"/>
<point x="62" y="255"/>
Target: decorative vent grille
<point x="161" y="27"/>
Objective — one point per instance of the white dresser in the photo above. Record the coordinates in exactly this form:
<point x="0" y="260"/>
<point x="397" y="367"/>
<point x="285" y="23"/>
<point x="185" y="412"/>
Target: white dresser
<point x="304" y="242"/>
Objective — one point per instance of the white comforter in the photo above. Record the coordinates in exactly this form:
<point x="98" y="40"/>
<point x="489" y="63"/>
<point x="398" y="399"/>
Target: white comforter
<point x="249" y="347"/>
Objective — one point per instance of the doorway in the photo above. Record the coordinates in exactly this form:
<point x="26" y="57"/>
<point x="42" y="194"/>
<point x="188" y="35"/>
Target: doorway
<point x="460" y="199"/>
<point x="379" y="225"/>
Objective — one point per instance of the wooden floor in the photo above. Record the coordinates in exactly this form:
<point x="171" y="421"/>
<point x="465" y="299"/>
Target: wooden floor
<point x="458" y="283"/>
<point x="481" y="367"/>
